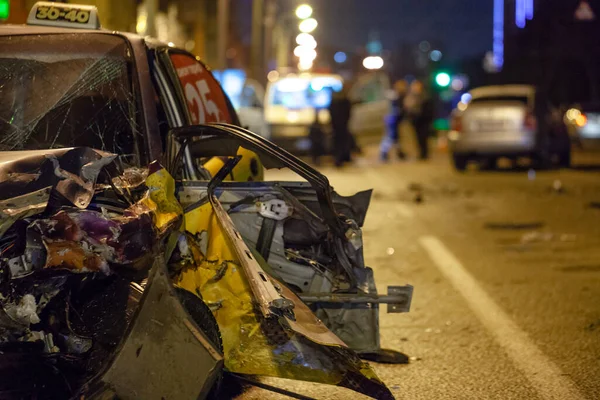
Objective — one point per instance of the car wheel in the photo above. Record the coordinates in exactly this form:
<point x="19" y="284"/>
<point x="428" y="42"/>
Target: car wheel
<point x="205" y="320"/>
<point x="460" y="162"/>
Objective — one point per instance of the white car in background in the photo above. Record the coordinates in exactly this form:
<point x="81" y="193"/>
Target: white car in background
<point x="508" y="121"/>
<point x="369" y="95"/>
<point x="292" y="101"/>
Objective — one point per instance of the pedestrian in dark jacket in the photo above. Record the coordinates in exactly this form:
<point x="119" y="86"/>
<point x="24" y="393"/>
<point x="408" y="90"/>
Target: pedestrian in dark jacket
<point x="339" y="110"/>
<point x="422" y="118"/>
<point x="317" y="139"/>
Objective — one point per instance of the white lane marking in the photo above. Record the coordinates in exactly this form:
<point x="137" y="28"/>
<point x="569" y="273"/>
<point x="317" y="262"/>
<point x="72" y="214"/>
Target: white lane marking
<point x="542" y="373"/>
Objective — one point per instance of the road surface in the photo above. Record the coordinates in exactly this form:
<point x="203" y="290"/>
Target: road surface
<point x="506" y="270"/>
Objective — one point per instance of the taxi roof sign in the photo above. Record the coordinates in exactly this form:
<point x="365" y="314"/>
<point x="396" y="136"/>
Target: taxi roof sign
<point x="64" y="15"/>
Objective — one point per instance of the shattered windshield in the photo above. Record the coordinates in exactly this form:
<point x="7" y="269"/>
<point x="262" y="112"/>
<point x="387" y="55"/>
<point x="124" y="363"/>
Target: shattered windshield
<point x="67" y="90"/>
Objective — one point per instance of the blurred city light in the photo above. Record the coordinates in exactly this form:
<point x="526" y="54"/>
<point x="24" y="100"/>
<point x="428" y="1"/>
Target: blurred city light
<point x="442" y="79"/>
<point x="141" y="24"/>
<point x="292" y="84"/>
<point x="572" y="114"/>
<point x="306" y="40"/>
<point x="581" y="120"/>
<point x="272" y="76"/>
<point x="306" y="53"/>
<point x="4" y="9"/>
<point x="373" y="62"/>
<point x="340" y="57"/>
<point x="435" y="55"/>
<point x="424" y="46"/>
<point x="461" y="106"/>
<point x="308" y="25"/>
<point x="466" y="98"/>
<point x="305" y="64"/>
<point x="457" y="84"/>
<point x="304" y="11"/>
<point x="316" y="85"/>
<point x="498" y="32"/>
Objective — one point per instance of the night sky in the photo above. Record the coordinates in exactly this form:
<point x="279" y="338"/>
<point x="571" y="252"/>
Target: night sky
<point x="463" y="26"/>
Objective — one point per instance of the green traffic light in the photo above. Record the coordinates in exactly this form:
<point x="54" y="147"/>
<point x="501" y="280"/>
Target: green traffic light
<point x="442" y="79"/>
<point x="4" y="9"/>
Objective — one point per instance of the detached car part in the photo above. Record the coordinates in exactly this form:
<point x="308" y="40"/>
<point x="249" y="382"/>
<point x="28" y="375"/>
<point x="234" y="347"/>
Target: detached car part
<point x="310" y="245"/>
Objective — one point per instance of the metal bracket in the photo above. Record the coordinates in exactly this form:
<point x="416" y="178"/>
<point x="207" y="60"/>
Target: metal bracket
<point x="275" y="209"/>
<point x="404" y="292"/>
<point x="398" y="298"/>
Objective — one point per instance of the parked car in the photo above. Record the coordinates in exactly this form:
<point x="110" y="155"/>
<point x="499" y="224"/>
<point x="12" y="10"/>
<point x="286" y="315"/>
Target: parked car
<point x="293" y="100"/>
<point x="508" y="121"/>
<point x="291" y="105"/>
<point x="125" y="254"/>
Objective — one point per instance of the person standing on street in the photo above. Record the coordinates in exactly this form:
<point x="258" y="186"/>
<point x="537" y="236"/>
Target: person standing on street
<point x="422" y="116"/>
<point x="339" y="110"/>
<point x="391" y="136"/>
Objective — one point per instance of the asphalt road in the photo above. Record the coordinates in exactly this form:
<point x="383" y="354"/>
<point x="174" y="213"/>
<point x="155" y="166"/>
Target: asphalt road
<point x="506" y="270"/>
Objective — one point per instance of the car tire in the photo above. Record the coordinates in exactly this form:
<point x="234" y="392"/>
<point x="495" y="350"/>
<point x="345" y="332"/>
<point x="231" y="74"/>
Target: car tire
<point x="206" y="321"/>
<point x="460" y="162"/>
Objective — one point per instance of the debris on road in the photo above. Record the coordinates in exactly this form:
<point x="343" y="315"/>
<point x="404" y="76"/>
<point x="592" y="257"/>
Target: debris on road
<point x="514" y="225"/>
<point x="557" y="186"/>
<point x="537" y="236"/>
<point x="594" y="204"/>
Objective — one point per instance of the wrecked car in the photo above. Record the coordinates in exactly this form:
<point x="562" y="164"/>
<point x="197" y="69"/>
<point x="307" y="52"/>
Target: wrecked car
<point x="142" y="254"/>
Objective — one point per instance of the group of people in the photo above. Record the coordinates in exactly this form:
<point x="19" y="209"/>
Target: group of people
<point x="409" y="102"/>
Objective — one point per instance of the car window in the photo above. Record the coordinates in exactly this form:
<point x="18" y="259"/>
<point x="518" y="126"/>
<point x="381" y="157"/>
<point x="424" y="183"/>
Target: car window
<point x="68" y="90"/>
<point x="206" y="101"/>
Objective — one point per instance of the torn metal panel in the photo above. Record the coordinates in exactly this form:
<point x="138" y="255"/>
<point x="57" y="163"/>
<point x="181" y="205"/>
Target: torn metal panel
<point x="22" y="206"/>
<point x="71" y="174"/>
<point x="270" y="302"/>
<point x="165" y="355"/>
<point x="295" y="348"/>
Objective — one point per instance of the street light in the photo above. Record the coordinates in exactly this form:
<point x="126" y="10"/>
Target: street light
<point x="308" y="25"/>
<point x="373" y="62"/>
<point x="304" y="11"/>
<point x="306" y="40"/>
<point x="305" y="65"/>
<point x="305" y="53"/>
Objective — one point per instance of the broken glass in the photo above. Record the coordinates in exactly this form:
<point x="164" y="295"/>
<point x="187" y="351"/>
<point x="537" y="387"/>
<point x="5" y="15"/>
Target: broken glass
<point x="67" y="90"/>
